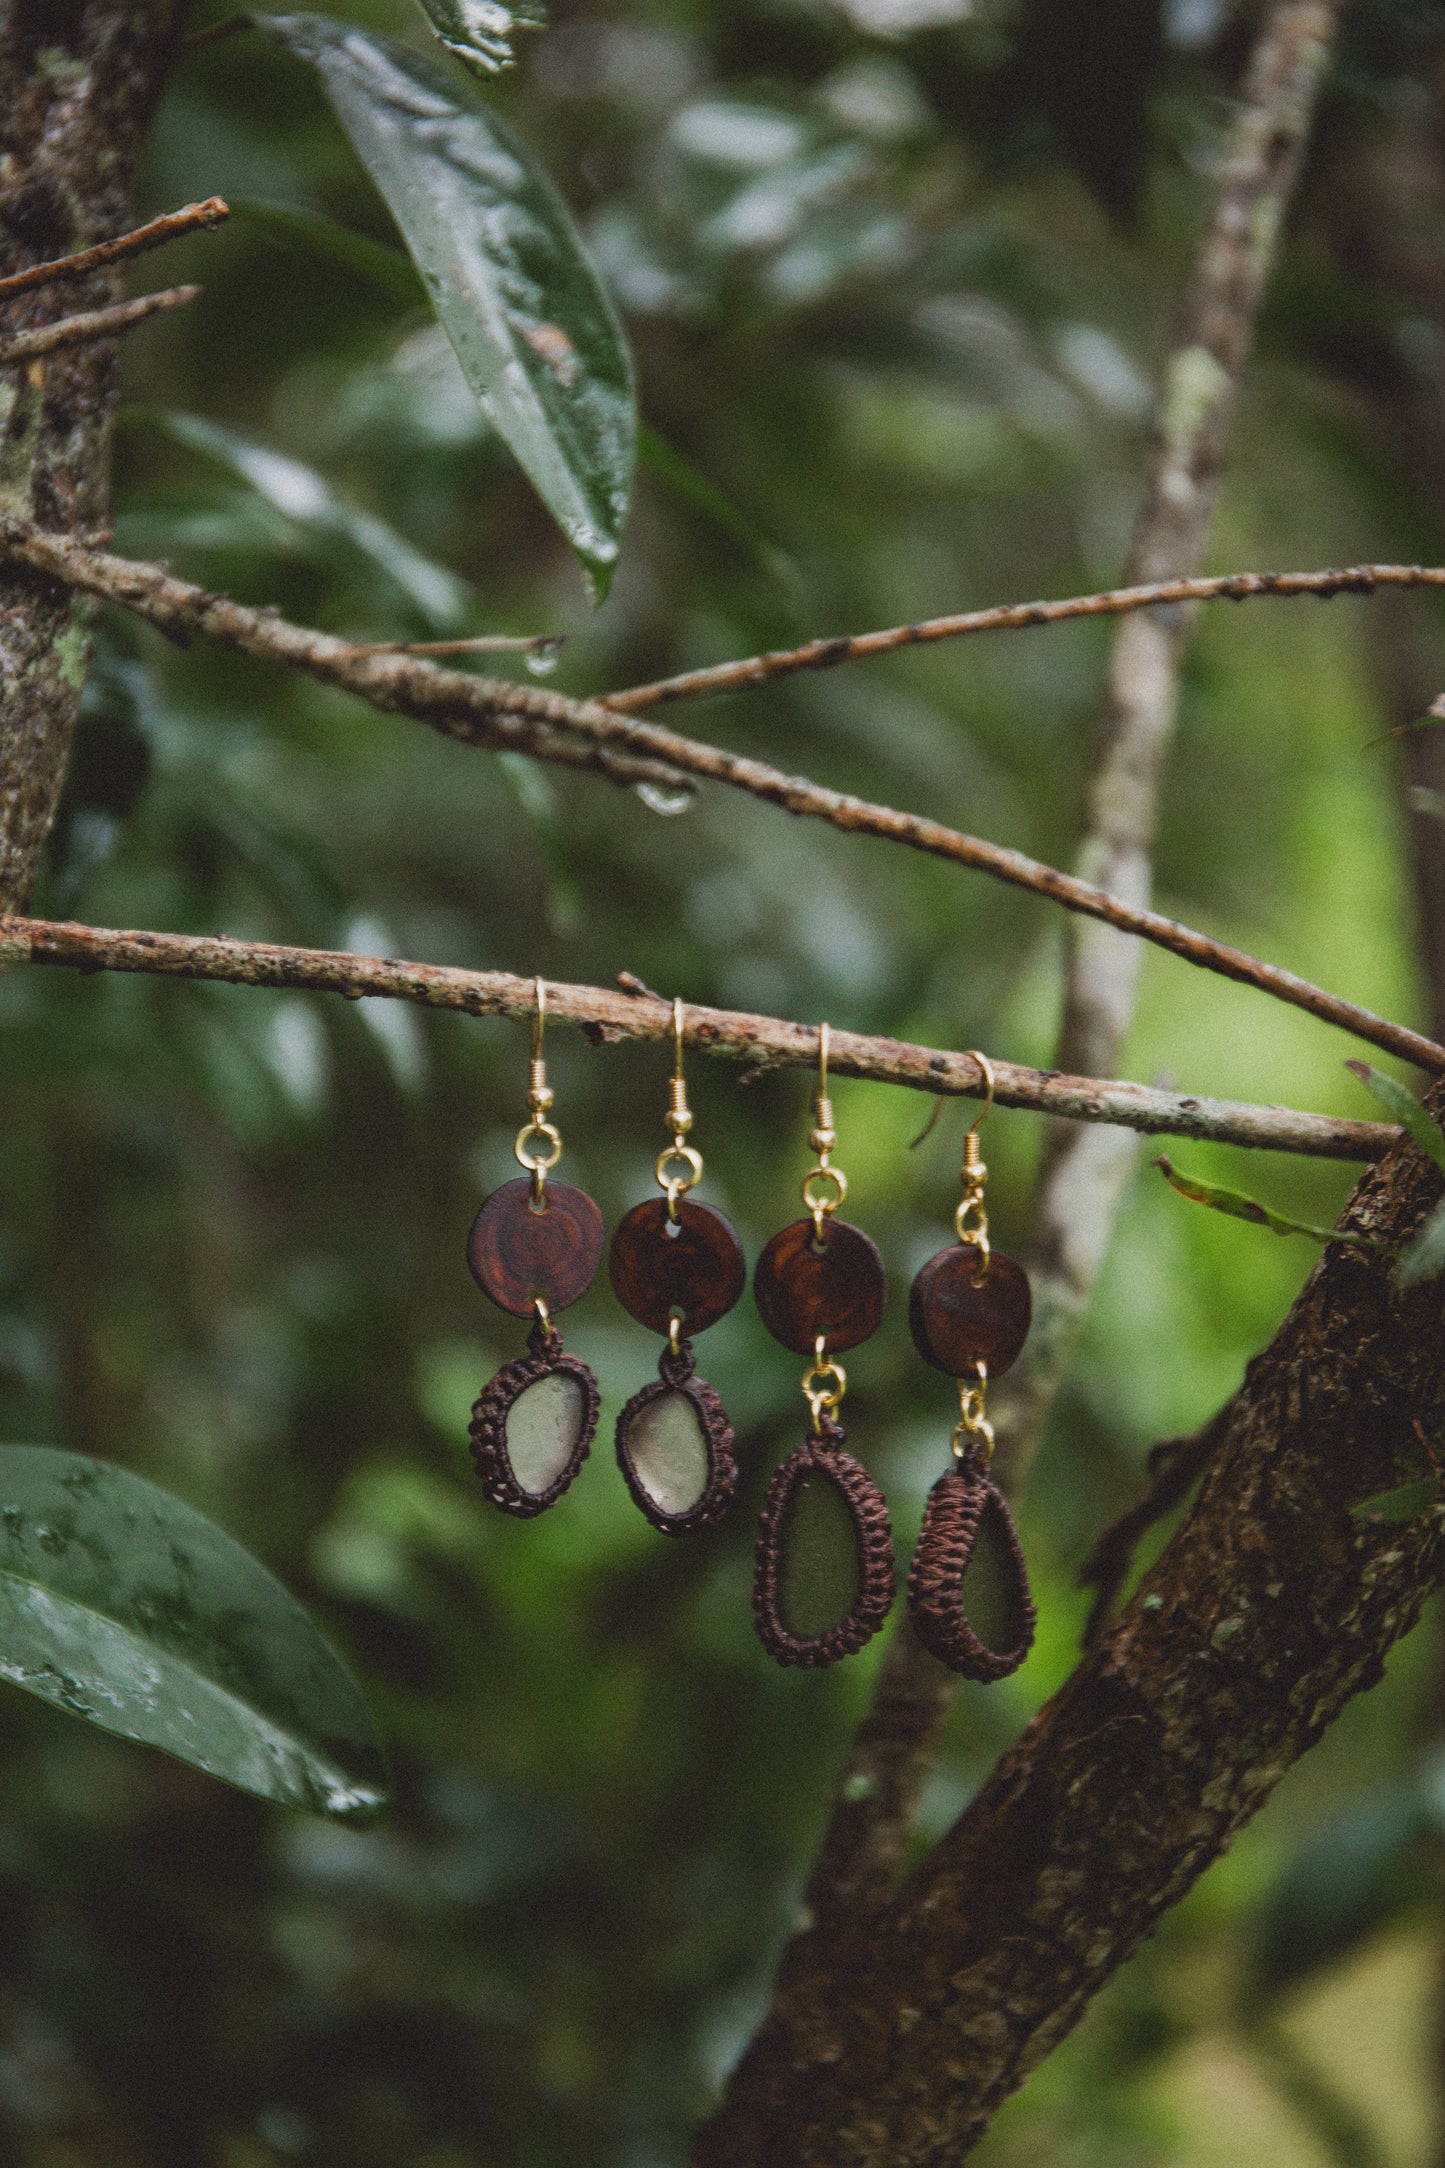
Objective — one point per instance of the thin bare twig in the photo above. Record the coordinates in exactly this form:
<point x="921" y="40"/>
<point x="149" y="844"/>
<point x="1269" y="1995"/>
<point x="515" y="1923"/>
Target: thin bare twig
<point x="213" y="212"/>
<point x="824" y="654"/>
<point x="607" y="1017"/>
<point x="549" y="726"/>
<point x="485" y="643"/>
<point x="1175" y="1466"/>
<point x="92" y="324"/>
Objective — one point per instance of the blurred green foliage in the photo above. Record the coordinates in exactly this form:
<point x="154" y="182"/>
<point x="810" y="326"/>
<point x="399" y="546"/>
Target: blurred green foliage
<point x="897" y="275"/>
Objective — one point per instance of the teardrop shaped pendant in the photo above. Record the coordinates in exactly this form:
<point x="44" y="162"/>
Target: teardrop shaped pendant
<point x="675" y="1447"/>
<point x="823" y="1579"/>
<point x="533" y="1426"/>
<point x="968" y="1534"/>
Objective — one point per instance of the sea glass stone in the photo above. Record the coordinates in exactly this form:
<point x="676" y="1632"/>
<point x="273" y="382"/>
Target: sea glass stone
<point x="820" y="1574"/>
<point x="544" y="1424"/>
<point x="993" y="1599"/>
<point x="668" y="1452"/>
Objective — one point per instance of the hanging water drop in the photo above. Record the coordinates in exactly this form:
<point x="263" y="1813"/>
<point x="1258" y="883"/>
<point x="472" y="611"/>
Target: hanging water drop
<point x="668" y="800"/>
<point x="543" y="656"/>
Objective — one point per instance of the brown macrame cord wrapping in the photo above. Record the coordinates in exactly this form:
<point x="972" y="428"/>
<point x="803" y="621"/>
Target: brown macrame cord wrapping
<point x="876" y="1584"/>
<point x="677" y="1374"/>
<point x="952" y="1518"/>
<point x="488" y="1427"/>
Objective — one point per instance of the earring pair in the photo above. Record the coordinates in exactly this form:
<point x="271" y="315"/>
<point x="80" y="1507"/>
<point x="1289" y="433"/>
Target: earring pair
<point x="823" y="1577"/>
<point x="676" y="1266"/>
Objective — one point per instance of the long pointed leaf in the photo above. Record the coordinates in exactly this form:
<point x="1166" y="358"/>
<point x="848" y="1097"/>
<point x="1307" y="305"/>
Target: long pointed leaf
<point x="125" y="1607"/>
<point x="1238" y="1206"/>
<point x="300" y="494"/>
<point x="533" y="330"/>
<point x="480" y="32"/>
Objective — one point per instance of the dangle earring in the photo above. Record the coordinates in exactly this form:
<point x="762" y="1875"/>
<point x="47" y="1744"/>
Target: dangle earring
<point x="969" y="1313"/>
<point x="534" y="1248"/>
<point x="823" y="1578"/>
<point x="677" y="1267"/>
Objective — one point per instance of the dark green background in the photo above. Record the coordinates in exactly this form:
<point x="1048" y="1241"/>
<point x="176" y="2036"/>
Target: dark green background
<point x="900" y="301"/>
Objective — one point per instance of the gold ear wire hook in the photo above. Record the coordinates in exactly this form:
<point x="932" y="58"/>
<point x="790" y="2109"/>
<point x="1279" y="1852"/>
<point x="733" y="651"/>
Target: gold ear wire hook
<point x="971" y="1219"/>
<point x="822" y="1140"/>
<point x="679" y="1121"/>
<point x="540" y="1100"/>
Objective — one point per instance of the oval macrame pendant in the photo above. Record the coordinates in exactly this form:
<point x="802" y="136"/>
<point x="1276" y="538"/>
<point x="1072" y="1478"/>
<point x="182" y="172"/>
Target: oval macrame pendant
<point x="823" y="1577"/>
<point x="532" y="1427"/>
<point x="675" y="1447"/>
<point x="968" y="1586"/>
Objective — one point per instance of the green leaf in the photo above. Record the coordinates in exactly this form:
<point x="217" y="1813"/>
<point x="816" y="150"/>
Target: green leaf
<point x="533" y="330"/>
<point x="669" y="465"/>
<point x="1404" y="1503"/>
<point x="1238" y="1206"/>
<point x="125" y="1607"/>
<point x="1344" y="1881"/>
<point x="1405" y="1107"/>
<point x="300" y="494"/>
<point x="1426" y="1254"/>
<point x="390" y="270"/>
<point x="480" y="32"/>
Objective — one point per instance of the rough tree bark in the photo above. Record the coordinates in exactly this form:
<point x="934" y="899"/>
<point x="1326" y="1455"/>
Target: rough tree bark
<point x="78" y="79"/>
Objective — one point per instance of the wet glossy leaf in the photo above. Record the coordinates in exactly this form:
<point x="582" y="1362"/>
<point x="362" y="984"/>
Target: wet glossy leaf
<point x="123" y="1606"/>
<point x="480" y="32"/>
<point x="532" y="328"/>
<point x="300" y="494"/>
<point x="1238" y="1206"/>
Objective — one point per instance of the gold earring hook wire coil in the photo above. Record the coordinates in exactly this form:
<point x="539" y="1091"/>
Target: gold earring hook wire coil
<point x="823" y="1202"/>
<point x="973" y="1426"/>
<point x="970" y="1221"/>
<point x="540" y="1101"/>
<point x="679" y="1120"/>
<point x="818" y="1393"/>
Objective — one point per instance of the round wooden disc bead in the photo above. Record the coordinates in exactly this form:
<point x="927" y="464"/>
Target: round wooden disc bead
<point x="697" y="1268"/>
<point x="517" y="1253"/>
<point x="837" y="1289"/>
<point x="957" y="1323"/>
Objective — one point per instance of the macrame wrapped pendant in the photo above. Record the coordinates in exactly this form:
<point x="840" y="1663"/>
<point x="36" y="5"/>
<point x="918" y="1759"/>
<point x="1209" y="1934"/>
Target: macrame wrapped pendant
<point x="675" y="1447"/>
<point x="823" y="1577"/>
<point x="968" y="1586"/>
<point x="533" y="1426"/>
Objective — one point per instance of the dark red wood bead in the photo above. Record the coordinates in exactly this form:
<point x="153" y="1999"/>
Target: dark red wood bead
<point x="698" y="1268"/>
<point x="838" y="1289"/>
<point x="958" y="1322"/>
<point x="518" y="1253"/>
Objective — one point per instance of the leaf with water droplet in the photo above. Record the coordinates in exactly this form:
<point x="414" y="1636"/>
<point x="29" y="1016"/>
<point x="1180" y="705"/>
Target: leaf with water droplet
<point x="536" y="336"/>
<point x="480" y="32"/>
<point x="121" y="1605"/>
